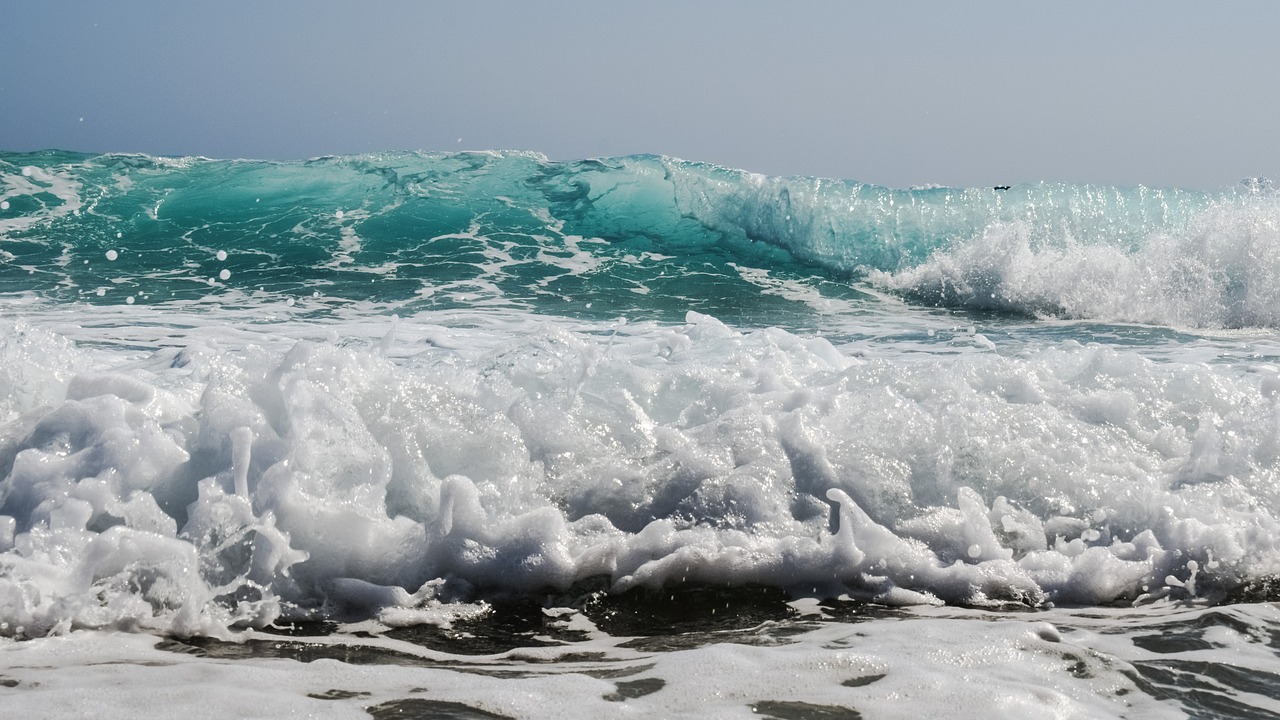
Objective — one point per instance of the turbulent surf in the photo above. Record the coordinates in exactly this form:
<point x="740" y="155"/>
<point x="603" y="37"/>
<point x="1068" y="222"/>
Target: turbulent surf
<point x="405" y="388"/>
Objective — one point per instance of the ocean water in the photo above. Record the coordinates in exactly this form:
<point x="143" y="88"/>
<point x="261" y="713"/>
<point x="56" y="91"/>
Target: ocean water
<point x="486" y="435"/>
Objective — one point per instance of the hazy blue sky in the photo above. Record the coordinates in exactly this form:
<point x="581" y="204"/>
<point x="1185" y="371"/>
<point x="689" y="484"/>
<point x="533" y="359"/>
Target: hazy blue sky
<point x="961" y="93"/>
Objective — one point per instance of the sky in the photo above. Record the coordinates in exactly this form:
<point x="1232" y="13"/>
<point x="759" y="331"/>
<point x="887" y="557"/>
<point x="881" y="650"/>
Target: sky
<point x="1161" y="94"/>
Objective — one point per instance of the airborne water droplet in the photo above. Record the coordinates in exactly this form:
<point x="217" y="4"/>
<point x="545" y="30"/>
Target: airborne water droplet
<point x="112" y="255"/>
<point x="222" y="255"/>
<point x="225" y="275"/>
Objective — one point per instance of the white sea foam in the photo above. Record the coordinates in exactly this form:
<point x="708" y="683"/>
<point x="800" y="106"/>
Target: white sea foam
<point x="246" y="475"/>
<point x="43" y="187"/>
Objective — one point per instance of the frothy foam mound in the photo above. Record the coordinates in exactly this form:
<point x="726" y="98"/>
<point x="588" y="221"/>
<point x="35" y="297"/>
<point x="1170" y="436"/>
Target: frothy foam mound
<point x="226" y="485"/>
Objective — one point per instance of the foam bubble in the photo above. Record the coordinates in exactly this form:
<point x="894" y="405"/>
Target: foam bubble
<point x="221" y="255"/>
<point x="224" y="275"/>
<point x="112" y="255"/>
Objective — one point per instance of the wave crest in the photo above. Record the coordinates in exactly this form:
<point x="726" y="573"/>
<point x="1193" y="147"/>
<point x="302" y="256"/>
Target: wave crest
<point x="1221" y="271"/>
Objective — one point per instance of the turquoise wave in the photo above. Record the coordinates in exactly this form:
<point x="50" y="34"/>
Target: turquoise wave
<point x="641" y="234"/>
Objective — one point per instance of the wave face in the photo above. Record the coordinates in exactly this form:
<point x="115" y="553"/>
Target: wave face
<point x="234" y="392"/>
<point x="516" y="230"/>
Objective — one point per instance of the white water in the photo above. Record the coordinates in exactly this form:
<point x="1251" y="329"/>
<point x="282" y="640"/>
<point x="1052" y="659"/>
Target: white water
<point x="198" y="478"/>
<point x="1222" y="270"/>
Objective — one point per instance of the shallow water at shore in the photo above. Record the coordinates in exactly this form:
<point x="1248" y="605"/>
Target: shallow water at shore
<point x="758" y="656"/>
